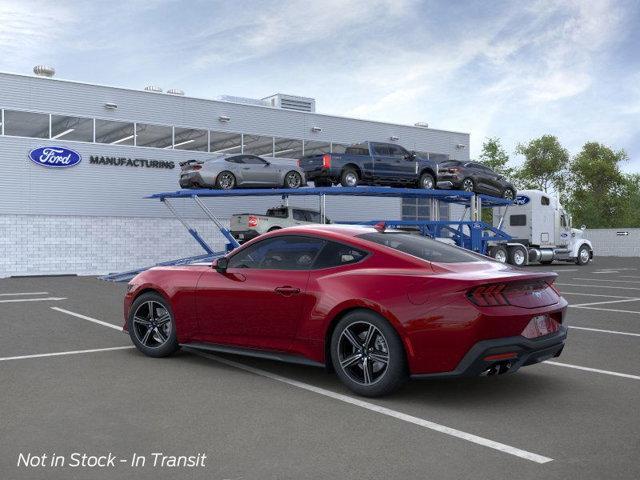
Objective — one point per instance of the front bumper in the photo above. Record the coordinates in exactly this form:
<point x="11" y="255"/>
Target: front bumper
<point x="528" y="351"/>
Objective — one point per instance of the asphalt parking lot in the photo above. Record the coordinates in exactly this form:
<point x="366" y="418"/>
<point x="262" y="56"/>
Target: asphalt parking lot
<point x="575" y="417"/>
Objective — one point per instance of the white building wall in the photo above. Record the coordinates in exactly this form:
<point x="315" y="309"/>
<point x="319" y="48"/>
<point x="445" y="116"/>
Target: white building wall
<point x="612" y="242"/>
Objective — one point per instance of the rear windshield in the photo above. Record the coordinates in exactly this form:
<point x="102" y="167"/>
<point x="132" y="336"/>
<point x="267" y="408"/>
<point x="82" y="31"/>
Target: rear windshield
<point x="422" y="247"/>
<point x="278" y="212"/>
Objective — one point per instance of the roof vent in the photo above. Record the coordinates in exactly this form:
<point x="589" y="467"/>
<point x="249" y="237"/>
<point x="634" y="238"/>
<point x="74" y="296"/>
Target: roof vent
<point x="44" y="71"/>
<point x="175" y="91"/>
<point x="422" y="124"/>
<point x="153" y="88"/>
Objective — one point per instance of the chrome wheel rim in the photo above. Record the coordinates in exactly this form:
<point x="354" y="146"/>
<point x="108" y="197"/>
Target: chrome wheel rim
<point x="152" y="324"/>
<point x="518" y="257"/>
<point x="351" y="179"/>
<point x="363" y="353"/>
<point x="508" y="194"/>
<point x="226" y="181"/>
<point x="467" y="185"/>
<point x="293" y="180"/>
<point x="427" y="182"/>
<point x="584" y="255"/>
<point x="501" y="256"/>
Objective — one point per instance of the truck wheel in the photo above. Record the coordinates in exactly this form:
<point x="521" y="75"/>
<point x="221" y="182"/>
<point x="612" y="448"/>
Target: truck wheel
<point x="468" y="185"/>
<point x="427" y="181"/>
<point x="517" y="256"/>
<point x="349" y="178"/>
<point x="499" y="254"/>
<point x="583" y="255"/>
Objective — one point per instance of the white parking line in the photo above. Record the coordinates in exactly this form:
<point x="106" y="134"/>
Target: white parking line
<point x="606" y="331"/>
<point x="602" y="303"/>
<point x="595" y="370"/>
<point x="596" y="286"/>
<point x="73" y="352"/>
<point x="593" y="294"/>
<point x="22" y="293"/>
<point x="386" y="411"/>
<point x="607" y="280"/>
<point x="628" y="276"/>
<point x="606" y="309"/>
<point x="89" y="319"/>
<point x="44" y="299"/>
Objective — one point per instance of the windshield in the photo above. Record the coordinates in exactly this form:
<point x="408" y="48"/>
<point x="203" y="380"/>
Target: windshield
<point x="422" y="247"/>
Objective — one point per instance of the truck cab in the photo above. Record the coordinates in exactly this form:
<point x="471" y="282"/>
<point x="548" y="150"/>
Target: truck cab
<point x="539" y="225"/>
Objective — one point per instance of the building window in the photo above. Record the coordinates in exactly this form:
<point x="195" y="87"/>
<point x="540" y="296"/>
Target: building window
<point x="191" y="139"/>
<point x="114" y="133"/>
<point x="258" y="145"/>
<point x="312" y="147"/>
<point x="419" y="209"/>
<point x="72" y="128"/>
<point x="224" y="142"/>
<point x="157" y="136"/>
<point x="287" y="148"/>
<point x="26" y="124"/>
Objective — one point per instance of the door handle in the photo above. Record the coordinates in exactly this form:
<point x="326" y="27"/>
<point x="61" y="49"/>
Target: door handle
<point x="287" y="290"/>
<point x="246" y="168"/>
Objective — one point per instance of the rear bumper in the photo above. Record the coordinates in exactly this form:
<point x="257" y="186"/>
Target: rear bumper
<point x="193" y="180"/>
<point x="528" y="352"/>
<point x="319" y="173"/>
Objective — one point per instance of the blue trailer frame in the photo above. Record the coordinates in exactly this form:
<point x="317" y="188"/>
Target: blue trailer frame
<point x="476" y="238"/>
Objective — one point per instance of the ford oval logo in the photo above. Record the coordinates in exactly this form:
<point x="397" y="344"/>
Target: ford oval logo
<point x="55" y="157"/>
<point x="521" y="200"/>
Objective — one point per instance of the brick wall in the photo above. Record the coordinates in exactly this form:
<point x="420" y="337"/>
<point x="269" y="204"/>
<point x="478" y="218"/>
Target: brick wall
<point x="49" y="245"/>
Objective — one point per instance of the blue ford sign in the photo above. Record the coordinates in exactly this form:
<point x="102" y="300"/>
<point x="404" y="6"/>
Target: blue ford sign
<point x="55" y="157"/>
<point x="521" y="200"/>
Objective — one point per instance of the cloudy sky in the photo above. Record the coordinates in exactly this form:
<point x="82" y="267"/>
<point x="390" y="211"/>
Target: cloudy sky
<point x="515" y="70"/>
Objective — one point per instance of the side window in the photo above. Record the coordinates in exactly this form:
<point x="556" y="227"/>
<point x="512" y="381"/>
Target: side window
<point x="336" y="254"/>
<point x="279" y="253"/>
<point x="396" y="151"/>
<point x="544" y="200"/>
<point x="253" y="160"/>
<point x="313" y="216"/>
<point x="238" y="159"/>
<point x="300" y="215"/>
<point x="381" y="149"/>
<point x="517" y="220"/>
<point x="563" y="221"/>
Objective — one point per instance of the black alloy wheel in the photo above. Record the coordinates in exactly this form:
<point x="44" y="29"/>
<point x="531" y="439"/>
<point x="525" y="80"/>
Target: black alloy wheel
<point x="468" y="185"/>
<point x="368" y="355"/>
<point x="151" y="326"/>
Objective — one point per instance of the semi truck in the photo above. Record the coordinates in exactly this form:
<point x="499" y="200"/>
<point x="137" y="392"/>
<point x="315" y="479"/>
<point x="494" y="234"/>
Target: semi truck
<point x="540" y="231"/>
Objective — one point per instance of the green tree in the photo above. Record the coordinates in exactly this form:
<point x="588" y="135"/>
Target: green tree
<point x="495" y="157"/>
<point x="545" y="164"/>
<point x="599" y="191"/>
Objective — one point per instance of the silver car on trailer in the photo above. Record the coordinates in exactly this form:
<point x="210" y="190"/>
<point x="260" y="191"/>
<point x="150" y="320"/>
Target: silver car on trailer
<point x="241" y="170"/>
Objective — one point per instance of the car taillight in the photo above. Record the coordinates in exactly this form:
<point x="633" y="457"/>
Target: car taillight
<point x="554" y="287"/>
<point x="489" y="295"/>
<point x="539" y="326"/>
<point x="253" y="221"/>
<point x="299" y="163"/>
<point x="326" y="161"/>
<point x="196" y="167"/>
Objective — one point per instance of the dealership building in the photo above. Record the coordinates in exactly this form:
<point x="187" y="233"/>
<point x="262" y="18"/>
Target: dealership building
<point x="92" y="217"/>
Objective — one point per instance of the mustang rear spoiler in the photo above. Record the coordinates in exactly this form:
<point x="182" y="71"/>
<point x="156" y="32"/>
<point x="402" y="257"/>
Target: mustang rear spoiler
<point x="190" y="162"/>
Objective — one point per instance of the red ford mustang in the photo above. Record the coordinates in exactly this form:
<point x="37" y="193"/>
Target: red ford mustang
<point x="375" y="306"/>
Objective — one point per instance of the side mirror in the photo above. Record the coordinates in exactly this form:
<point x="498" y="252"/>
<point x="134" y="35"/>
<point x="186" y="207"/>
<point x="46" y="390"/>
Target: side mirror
<point x="583" y="227"/>
<point x="221" y="264"/>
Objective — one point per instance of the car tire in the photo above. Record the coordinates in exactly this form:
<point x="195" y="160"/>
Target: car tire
<point x="378" y="342"/>
<point x="584" y="255"/>
<point x="499" y="254"/>
<point x="153" y="334"/>
<point x="349" y="178"/>
<point x="468" y="185"/>
<point x="518" y="256"/>
<point x="427" y="182"/>
<point x="292" y="180"/>
<point x="225" y="180"/>
<point x="508" y="194"/>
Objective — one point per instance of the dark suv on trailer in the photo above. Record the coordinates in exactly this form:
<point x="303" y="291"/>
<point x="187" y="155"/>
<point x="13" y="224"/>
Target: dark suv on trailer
<point x="371" y="163"/>
<point x="475" y="177"/>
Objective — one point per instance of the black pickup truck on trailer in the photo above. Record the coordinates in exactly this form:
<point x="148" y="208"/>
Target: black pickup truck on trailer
<point x="371" y="163"/>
